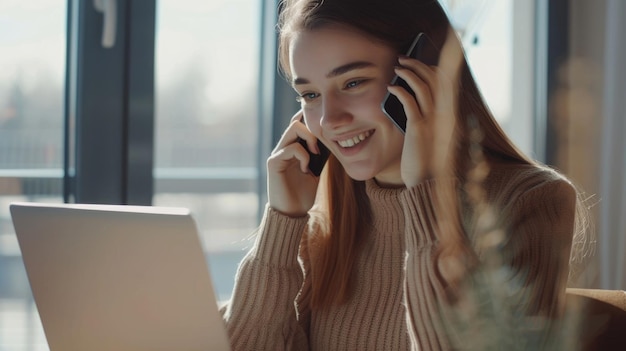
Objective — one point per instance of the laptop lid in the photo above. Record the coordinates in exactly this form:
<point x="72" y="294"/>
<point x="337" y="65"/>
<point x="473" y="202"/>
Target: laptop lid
<point x="108" y="277"/>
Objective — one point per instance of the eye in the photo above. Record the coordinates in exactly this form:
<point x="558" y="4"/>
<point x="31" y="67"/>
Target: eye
<point x="354" y="83"/>
<point x="306" y="97"/>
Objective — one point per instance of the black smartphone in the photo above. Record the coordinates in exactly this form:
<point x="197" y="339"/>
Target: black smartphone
<point x="423" y="49"/>
<point x="316" y="161"/>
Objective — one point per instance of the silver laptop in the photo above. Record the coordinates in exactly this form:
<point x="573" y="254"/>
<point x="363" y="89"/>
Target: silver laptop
<point x="108" y="277"/>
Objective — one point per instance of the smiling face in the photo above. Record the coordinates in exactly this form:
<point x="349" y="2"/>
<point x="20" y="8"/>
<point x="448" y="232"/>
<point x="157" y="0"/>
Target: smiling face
<point x="341" y="77"/>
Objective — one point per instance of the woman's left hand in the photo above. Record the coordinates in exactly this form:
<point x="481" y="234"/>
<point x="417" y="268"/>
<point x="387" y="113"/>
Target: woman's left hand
<point x="429" y="141"/>
<point x="430" y="145"/>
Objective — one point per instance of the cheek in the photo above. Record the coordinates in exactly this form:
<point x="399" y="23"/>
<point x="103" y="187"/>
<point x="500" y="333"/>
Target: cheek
<point x="369" y="99"/>
<point x="370" y="104"/>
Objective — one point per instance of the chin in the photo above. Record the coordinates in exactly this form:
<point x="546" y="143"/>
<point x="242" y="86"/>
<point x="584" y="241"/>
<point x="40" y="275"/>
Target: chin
<point x="360" y="174"/>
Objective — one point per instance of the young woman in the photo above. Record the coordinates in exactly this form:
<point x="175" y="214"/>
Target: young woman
<point x="393" y="245"/>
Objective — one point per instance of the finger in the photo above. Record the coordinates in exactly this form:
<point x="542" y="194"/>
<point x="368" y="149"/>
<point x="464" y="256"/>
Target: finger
<point x="308" y="139"/>
<point x="310" y="142"/>
<point x="408" y="102"/>
<point x="422" y="70"/>
<point x="283" y="158"/>
<point x="295" y="131"/>
<point x="421" y="88"/>
<point x="297" y="116"/>
<point x="313" y="148"/>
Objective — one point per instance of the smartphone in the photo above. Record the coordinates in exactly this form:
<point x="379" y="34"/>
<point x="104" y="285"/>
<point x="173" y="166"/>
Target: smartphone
<point x="423" y="49"/>
<point x="316" y="161"/>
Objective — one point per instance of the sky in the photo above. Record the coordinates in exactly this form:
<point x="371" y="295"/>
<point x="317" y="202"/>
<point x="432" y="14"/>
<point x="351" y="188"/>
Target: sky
<point x="32" y="41"/>
<point x="220" y="35"/>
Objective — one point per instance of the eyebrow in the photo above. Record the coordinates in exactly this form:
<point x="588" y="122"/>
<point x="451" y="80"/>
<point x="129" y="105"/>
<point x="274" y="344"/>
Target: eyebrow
<point x="338" y="71"/>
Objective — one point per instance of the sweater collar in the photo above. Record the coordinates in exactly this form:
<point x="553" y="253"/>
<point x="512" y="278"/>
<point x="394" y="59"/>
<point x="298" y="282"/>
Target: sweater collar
<point x="386" y="206"/>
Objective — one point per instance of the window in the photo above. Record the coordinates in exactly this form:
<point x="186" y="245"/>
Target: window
<point x="498" y="36"/>
<point x="206" y="157"/>
<point x="213" y="122"/>
<point x="198" y="163"/>
<point x="32" y="83"/>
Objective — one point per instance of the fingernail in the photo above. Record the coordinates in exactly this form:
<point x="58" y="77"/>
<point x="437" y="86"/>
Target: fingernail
<point x="317" y="150"/>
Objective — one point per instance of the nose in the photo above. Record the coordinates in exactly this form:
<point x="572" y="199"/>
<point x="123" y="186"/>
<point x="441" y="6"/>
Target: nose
<point x="334" y="112"/>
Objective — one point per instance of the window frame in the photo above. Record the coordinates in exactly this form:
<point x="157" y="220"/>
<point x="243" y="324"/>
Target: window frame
<point x="112" y="96"/>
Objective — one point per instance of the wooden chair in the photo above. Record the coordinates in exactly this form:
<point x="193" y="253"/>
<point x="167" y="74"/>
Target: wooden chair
<point x="603" y="319"/>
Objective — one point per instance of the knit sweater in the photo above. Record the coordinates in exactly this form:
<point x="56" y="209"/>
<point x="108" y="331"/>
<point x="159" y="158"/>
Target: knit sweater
<point x="397" y="300"/>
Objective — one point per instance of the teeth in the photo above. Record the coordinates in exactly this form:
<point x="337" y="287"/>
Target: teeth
<point x="357" y="139"/>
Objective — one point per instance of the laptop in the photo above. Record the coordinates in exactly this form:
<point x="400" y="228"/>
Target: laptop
<point x="107" y="277"/>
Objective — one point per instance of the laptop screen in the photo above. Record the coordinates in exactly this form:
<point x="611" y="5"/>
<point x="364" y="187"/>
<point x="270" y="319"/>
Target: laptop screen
<point x="108" y="277"/>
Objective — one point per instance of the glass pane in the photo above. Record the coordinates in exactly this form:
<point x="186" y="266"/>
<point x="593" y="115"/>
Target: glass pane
<point x="499" y="50"/>
<point x="206" y="122"/>
<point x="32" y="38"/>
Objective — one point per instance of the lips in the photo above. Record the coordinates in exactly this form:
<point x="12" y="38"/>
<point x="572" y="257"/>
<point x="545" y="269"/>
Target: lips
<point x="351" y="142"/>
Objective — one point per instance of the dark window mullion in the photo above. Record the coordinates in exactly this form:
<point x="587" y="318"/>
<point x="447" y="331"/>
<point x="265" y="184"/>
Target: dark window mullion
<point x="99" y="109"/>
<point x="277" y="99"/>
<point x="114" y="106"/>
<point x="140" y="45"/>
<point x="557" y="54"/>
<point x="68" y="165"/>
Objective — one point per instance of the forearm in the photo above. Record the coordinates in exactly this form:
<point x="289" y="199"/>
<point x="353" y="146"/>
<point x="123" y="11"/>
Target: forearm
<point x="261" y="313"/>
<point x="425" y="289"/>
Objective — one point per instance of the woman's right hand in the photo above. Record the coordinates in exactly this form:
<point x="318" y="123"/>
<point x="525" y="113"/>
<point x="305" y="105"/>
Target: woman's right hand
<point x="291" y="186"/>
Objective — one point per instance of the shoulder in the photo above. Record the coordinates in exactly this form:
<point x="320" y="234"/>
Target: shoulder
<point x="532" y="203"/>
<point x="517" y="184"/>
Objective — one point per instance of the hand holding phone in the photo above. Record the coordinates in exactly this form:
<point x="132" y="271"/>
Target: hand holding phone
<point x="423" y="49"/>
<point x="316" y="161"/>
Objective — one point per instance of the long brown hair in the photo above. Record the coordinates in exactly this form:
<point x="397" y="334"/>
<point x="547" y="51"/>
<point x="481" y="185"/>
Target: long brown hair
<point x="342" y="208"/>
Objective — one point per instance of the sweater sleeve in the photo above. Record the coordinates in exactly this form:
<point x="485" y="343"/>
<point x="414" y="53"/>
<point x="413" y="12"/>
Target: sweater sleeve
<point x="538" y="227"/>
<point x="538" y="244"/>
<point x="261" y="314"/>
<point x="423" y="288"/>
<point x="537" y="224"/>
<point x="521" y="283"/>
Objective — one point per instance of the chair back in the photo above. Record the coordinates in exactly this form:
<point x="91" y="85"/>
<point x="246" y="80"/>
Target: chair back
<point x="602" y="320"/>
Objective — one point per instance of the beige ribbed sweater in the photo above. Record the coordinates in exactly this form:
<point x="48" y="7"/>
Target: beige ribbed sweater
<point x="398" y="295"/>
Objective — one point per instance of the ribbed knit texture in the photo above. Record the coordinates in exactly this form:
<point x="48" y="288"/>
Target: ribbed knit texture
<point x="375" y="318"/>
<point x="396" y="304"/>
